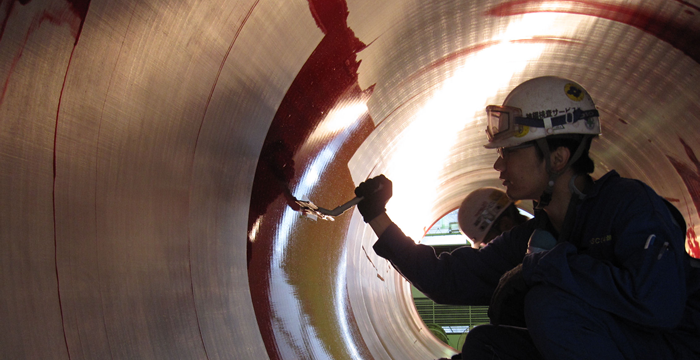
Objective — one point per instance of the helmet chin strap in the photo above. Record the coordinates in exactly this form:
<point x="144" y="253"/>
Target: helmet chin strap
<point x="546" y="196"/>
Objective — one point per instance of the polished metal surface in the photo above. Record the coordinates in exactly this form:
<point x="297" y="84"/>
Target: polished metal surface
<point x="151" y="152"/>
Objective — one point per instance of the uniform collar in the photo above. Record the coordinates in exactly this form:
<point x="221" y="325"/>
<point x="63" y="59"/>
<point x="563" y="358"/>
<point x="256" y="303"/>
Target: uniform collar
<point x="598" y="184"/>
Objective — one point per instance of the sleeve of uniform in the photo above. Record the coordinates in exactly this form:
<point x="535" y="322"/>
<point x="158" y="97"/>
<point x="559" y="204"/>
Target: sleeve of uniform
<point x="465" y="276"/>
<point x="644" y="283"/>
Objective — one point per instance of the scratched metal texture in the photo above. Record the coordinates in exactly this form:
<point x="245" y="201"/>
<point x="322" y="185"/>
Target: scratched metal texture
<point x="150" y="153"/>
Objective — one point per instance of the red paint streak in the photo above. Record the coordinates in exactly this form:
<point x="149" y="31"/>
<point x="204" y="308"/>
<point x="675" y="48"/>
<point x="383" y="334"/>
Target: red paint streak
<point x="56" y="16"/>
<point x="673" y="200"/>
<point x="327" y="80"/>
<point x="53" y="199"/>
<point x="57" y="19"/>
<point x="80" y="9"/>
<point x="221" y="67"/>
<point x="15" y="61"/>
<point x="330" y="15"/>
<point x="194" y="152"/>
<point x="463" y="53"/>
<point x="322" y="81"/>
<point x="691" y="178"/>
<point x="685" y="3"/>
<point x="649" y="21"/>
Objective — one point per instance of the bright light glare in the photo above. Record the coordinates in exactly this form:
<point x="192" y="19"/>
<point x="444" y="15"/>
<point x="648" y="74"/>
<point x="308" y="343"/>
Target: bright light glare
<point x="339" y="119"/>
<point x="313" y="172"/>
<point x="253" y="234"/>
<point x="446" y="240"/>
<point x="534" y="25"/>
<point x="424" y="145"/>
<point x="340" y="306"/>
<point x="555" y="6"/>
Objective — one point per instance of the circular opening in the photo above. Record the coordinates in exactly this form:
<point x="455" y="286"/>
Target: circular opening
<point x="449" y="323"/>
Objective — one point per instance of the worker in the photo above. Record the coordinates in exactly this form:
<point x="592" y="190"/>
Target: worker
<point x="486" y="213"/>
<point x="616" y="283"/>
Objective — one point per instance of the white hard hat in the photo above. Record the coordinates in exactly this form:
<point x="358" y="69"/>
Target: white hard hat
<point x="478" y="212"/>
<point x="541" y="107"/>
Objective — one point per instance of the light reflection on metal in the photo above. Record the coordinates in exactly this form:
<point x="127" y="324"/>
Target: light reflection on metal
<point x="312" y="173"/>
<point x="291" y="325"/>
<point x="129" y="132"/>
<point x="256" y="227"/>
<point x="555" y="6"/>
<point x="427" y="141"/>
<point x="339" y="119"/>
<point x="341" y="305"/>
<point x="295" y="328"/>
<point x="537" y="25"/>
<point x="281" y="239"/>
<point x="336" y="127"/>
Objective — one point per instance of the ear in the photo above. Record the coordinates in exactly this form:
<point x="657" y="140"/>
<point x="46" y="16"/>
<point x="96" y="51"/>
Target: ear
<point x="559" y="158"/>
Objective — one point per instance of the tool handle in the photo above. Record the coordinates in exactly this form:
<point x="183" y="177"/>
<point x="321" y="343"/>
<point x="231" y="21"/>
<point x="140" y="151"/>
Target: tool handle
<point x="343" y="208"/>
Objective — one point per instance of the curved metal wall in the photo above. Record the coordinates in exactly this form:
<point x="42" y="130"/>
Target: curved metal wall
<point x="151" y="151"/>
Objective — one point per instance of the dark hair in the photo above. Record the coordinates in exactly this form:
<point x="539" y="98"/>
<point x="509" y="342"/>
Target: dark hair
<point x="584" y="164"/>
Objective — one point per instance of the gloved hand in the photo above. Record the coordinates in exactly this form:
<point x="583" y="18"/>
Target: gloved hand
<point x="508" y="300"/>
<point x="376" y="192"/>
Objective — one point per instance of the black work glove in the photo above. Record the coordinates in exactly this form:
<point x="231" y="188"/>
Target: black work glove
<point x="508" y="300"/>
<point x="376" y="192"/>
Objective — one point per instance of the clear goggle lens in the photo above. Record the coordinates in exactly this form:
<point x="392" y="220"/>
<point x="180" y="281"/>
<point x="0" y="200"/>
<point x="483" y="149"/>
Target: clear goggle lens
<point x="501" y="121"/>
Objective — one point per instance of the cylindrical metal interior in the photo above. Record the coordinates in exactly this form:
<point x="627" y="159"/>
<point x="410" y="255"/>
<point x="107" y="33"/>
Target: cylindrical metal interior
<point x="150" y="152"/>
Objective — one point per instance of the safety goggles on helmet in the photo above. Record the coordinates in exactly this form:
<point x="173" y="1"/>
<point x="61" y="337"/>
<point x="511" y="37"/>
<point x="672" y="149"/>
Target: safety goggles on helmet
<point x="501" y="122"/>
<point x="506" y="121"/>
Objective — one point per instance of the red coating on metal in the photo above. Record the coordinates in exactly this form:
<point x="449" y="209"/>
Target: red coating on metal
<point x="323" y="80"/>
<point x="81" y="11"/>
<point x="53" y="202"/>
<point x="647" y="20"/>
<point x="326" y="81"/>
<point x="691" y="178"/>
<point x="58" y="19"/>
<point x="57" y="16"/>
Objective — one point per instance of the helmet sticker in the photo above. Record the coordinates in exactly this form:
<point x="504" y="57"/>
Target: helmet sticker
<point x="574" y="92"/>
<point x="590" y="124"/>
<point x="544" y="114"/>
<point x="522" y="131"/>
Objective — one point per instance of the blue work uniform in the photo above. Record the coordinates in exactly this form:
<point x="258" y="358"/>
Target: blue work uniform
<point x="621" y="286"/>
